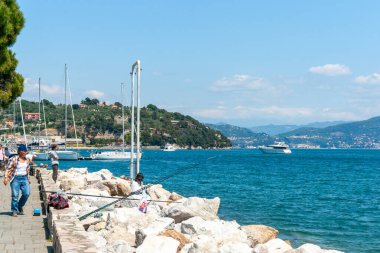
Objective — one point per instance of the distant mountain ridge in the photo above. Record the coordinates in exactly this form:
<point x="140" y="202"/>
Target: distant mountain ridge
<point x="359" y="134"/>
<point x="242" y="137"/>
<point x="279" y="129"/>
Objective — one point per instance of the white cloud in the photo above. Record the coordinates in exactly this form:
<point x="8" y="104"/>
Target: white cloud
<point x="331" y="70"/>
<point x="94" y="94"/>
<point x="238" y="82"/>
<point x="31" y="86"/>
<point x="370" y="79"/>
<point x="218" y="113"/>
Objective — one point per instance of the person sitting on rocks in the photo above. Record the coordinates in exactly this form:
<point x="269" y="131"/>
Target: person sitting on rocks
<point x="137" y="184"/>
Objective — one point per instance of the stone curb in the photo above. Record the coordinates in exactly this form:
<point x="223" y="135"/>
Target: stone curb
<point x="68" y="236"/>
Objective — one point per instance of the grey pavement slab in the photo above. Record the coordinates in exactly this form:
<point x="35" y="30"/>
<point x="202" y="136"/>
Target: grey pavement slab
<point x="24" y="233"/>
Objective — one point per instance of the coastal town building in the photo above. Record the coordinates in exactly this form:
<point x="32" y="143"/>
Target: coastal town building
<point x="31" y="116"/>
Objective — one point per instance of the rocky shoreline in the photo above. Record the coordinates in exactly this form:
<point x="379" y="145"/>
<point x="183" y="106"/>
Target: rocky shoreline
<point x="172" y="224"/>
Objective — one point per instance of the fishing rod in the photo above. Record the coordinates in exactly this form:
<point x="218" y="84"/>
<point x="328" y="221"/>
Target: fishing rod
<point x="143" y="188"/>
<point x="107" y="197"/>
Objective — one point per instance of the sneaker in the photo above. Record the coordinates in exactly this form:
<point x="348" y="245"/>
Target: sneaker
<point x="21" y="212"/>
<point x="14" y="213"/>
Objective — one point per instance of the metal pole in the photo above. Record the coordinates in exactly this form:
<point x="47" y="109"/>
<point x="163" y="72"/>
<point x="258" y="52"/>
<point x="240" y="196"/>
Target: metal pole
<point x="65" y="106"/>
<point x="122" y="114"/>
<point x="132" y="170"/>
<point x="138" y="119"/>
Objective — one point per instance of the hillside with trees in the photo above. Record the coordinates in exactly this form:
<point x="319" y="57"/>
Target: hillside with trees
<point x="101" y="124"/>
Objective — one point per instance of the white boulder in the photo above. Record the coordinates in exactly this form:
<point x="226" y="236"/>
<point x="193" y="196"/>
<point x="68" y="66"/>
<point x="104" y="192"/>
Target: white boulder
<point x="277" y="246"/>
<point x="159" y="225"/>
<point x="74" y="182"/>
<point x="81" y="171"/>
<point x="235" y="247"/>
<point x="158" y="244"/>
<point x="194" y="206"/>
<point x="119" y="246"/>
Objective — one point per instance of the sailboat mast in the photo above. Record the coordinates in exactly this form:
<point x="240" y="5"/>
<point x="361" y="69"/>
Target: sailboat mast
<point x="23" y="125"/>
<point x="39" y="110"/>
<point x="43" y="110"/>
<point x="122" y="114"/>
<point x="65" y="106"/>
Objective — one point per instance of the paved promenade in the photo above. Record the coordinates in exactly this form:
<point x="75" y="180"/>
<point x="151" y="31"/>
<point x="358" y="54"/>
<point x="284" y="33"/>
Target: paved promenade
<point x="25" y="233"/>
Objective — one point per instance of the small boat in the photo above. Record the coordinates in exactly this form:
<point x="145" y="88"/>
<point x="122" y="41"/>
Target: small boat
<point x="67" y="155"/>
<point x="113" y="155"/>
<point x="169" y="147"/>
<point x="276" y="148"/>
<point x="40" y="155"/>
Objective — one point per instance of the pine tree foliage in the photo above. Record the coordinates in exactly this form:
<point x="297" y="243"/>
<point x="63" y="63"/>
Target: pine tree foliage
<point x="11" y="23"/>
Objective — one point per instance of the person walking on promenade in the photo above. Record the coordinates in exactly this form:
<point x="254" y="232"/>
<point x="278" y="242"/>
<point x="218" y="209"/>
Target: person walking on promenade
<point x="3" y="159"/>
<point x="54" y="161"/>
<point x="17" y="174"/>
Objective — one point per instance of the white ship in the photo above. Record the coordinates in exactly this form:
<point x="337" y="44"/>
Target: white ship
<point x="169" y="147"/>
<point x="276" y="148"/>
<point x="113" y="155"/>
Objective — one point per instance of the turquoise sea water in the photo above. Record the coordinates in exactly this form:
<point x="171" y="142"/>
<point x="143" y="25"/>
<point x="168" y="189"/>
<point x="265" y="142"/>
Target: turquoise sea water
<point x="327" y="197"/>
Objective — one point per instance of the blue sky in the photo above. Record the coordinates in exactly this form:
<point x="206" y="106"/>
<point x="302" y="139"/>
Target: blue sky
<point x="241" y="62"/>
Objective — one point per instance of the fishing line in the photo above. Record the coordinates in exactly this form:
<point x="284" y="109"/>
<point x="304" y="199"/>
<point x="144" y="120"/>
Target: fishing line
<point x="107" y="197"/>
<point x="144" y="188"/>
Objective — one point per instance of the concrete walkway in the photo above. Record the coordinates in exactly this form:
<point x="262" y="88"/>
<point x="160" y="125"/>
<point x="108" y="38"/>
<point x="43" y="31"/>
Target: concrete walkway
<point x="25" y="233"/>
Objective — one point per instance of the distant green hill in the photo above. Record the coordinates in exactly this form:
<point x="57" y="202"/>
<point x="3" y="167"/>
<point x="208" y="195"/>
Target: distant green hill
<point x="360" y="134"/>
<point x="101" y="124"/>
<point x="242" y="137"/>
<point x="280" y="129"/>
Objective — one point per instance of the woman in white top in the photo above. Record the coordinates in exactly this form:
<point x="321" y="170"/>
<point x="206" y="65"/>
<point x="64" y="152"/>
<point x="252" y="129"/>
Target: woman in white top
<point x="18" y="175"/>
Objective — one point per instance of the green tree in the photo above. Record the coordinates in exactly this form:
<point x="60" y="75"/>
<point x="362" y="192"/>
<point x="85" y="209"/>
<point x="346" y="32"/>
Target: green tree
<point x="11" y="23"/>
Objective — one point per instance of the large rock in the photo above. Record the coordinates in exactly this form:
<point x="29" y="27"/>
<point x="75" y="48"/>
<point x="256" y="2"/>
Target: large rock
<point x="175" y="196"/>
<point x="80" y="171"/>
<point x="103" y="174"/>
<point x="86" y="223"/>
<point x="132" y="218"/>
<point x="98" y="240"/>
<point x="119" y="246"/>
<point x="158" y="244"/>
<point x="159" y="225"/>
<point x="177" y="236"/>
<point x="75" y="182"/>
<point x="93" y="178"/>
<point x="194" y="206"/>
<point x="235" y="247"/>
<point x="117" y="187"/>
<point x="157" y="192"/>
<point x="219" y="232"/>
<point x="203" y="244"/>
<point x="311" y="248"/>
<point x="272" y="246"/>
<point x="259" y="234"/>
<point x="121" y="233"/>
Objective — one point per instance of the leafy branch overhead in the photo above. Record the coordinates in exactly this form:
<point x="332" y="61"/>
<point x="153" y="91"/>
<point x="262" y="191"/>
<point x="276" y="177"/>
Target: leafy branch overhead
<point x="11" y="23"/>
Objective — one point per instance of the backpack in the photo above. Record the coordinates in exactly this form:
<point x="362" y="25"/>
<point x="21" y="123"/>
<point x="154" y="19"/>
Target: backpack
<point x="58" y="200"/>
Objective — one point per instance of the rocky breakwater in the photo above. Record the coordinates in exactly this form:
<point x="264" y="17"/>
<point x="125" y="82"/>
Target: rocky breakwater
<point x="172" y="224"/>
